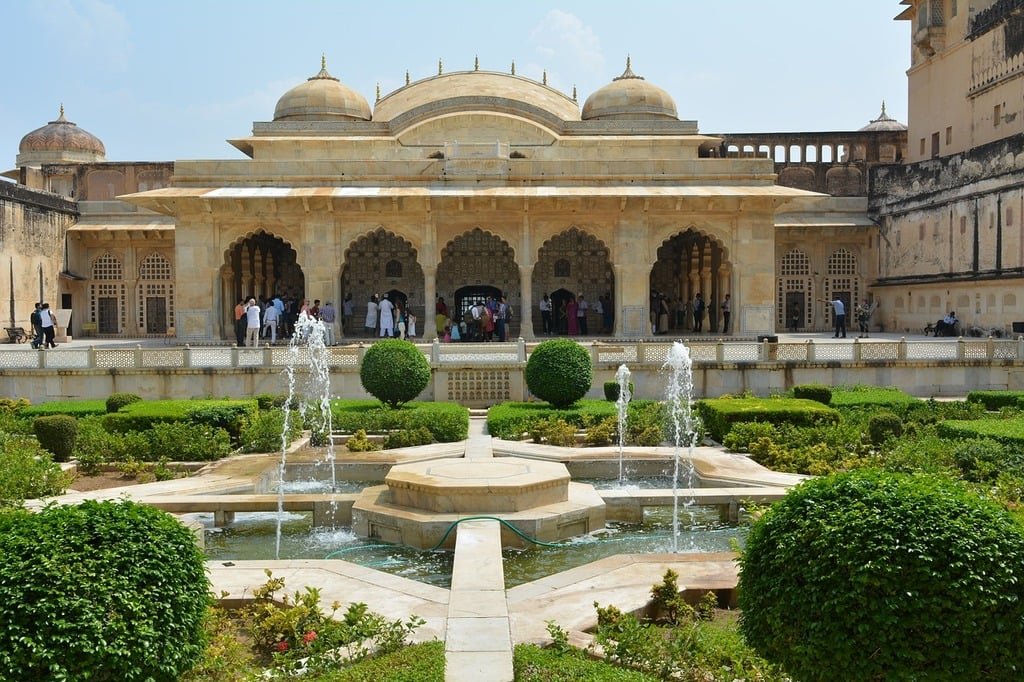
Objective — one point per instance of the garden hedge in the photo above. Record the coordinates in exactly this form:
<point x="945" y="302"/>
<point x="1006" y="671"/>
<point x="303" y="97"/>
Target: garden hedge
<point x="74" y="408"/>
<point x="996" y="400"/>
<point x="869" y="397"/>
<point x="818" y="392"/>
<point x="99" y="591"/>
<point x="56" y="433"/>
<point x="719" y="414"/>
<point x="870" y="575"/>
<point x="115" y="401"/>
<point x="141" y="416"/>
<point x="27" y="472"/>
<point x="559" y="372"/>
<point x="1006" y="431"/>
<point x="447" y="422"/>
<point x="394" y="371"/>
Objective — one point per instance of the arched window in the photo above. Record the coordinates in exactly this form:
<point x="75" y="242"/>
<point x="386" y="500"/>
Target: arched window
<point x="155" y="295"/>
<point x="562" y="268"/>
<point x="842" y="262"/>
<point x="107" y="295"/>
<point x="107" y="267"/>
<point x="393" y="269"/>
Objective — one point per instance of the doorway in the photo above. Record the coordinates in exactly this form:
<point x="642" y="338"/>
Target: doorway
<point x="156" y="315"/>
<point x="107" y="312"/>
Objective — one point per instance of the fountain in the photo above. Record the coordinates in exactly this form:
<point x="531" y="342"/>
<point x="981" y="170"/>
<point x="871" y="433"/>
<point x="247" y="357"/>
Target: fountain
<point x="678" y="399"/>
<point x="622" y="405"/>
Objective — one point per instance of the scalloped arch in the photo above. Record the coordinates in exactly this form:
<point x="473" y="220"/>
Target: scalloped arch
<point x="381" y="231"/>
<point x="255" y="233"/>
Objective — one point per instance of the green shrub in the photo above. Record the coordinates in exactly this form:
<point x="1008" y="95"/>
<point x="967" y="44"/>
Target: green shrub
<point x="869" y="575"/>
<point x="983" y="459"/>
<point x="534" y="664"/>
<point x="13" y="405"/>
<point x="816" y="392"/>
<point x="227" y="416"/>
<point x="359" y="442"/>
<point x="995" y="400"/>
<point x="268" y="401"/>
<point x="95" y="445"/>
<point x="447" y="422"/>
<point x="719" y="414"/>
<point x="141" y="416"/>
<point x="612" y="390"/>
<point x="883" y="426"/>
<point x="742" y="434"/>
<point x="261" y="432"/>
<point x="512" y="419"/>
<point x="866" y="397"/>
<point x="602" y="432"/>
<point x="407" y="438"/>
<point x="554" y="431"/>
<point x="394" y="371"/>
<point x="559" y="372"/>
<point x="188" y="442"/>
<point x="932" y="411"/>
<point x="57" y="435"/>
<point x="74" y="408"/>
<point x="1006" y="431"/>
<point x="118" y="400"/>
<point x="99" y="591"/>
<point x="27" y="472"/>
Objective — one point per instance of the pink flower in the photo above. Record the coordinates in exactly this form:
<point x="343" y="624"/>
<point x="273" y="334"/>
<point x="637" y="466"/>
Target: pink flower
<point x="309" y="637"/>
<point x="281" y="646"/>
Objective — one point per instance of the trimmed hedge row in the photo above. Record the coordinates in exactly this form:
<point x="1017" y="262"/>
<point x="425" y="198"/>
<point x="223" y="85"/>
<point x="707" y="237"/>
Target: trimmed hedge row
<point x="1006" y="431"/>
<point x="447" y="422"/>
<point x="996" y="400"/>
<point x="511" y="420"/>
<point x="142" y="416"/>
<point x="74" y="408"/>
<point x="853" y="397"/>
<point x="719" y="414"/>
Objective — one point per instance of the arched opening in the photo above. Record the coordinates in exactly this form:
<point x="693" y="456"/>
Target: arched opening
<point x="464" y="299"/>
<point x="560" y="299"/>
<point x="843" y="282"/>
<point x="794" y="292"/>
<point x="478" y="263"/>
<point x="688" y="264"/>
<point x="382" y="262"/>
<point x="580" y="264"/>
<point x="155" y="294"/>
<point x="107" y="294"/>
<point x="260" y="266"/>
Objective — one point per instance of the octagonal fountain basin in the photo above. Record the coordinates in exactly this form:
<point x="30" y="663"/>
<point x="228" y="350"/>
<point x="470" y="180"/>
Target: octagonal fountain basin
<point x="420" y="502"/>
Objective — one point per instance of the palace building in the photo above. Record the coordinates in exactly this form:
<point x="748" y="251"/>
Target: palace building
<point x="478" y="183"/>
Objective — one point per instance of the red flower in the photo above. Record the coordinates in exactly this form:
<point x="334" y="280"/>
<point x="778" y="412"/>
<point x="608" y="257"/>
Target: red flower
<point x="281" y="646"/>
<point x="309" y="637"/>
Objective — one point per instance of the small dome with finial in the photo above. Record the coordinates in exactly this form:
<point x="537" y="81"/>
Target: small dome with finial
<point x="630" y="96"/>
<point x="59" y="141"/>
<point x="322" y="98"/>
<point x="884" y="122"/>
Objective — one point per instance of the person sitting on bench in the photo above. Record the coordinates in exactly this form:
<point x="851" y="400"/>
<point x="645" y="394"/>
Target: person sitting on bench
<point x="947" y="326"/>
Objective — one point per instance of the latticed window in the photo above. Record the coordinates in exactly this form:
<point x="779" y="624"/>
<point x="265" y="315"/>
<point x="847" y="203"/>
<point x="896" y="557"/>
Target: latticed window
<point x="795" y="262"/>
<point x="107" y="267"/>
<point x="155" y="266"/>
<point x="842" y="262"/>
<point x="154" y="297"/>
<point x="393" y="269"/>
<point x="562" y="268"/>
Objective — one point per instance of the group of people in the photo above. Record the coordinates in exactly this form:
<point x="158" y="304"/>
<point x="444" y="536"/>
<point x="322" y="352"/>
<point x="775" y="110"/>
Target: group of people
<point x="570" y="316"/>
<point x="661" y="313"/>
<point x="389" y="319"/>
<point x="863" y="312"/>
<point x="44" y="325"/>
<point x="278" y="315"/>
<point x="486" y="320"/>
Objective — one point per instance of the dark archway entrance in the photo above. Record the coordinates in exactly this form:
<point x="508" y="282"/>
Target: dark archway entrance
<point x="466" y="297"/>
<point x="258" y="266"/>
<point x="690" y="263"/>
<point x="478" y="264"/>
<point x="576" y="262"/>
<point x="559" y="317"/>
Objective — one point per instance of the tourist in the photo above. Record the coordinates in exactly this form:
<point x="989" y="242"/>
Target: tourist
<point x="487" y="320"/>
<point x="386" y="310"/>
<point x="348" y="311"/>
<point x="581" y="314"/>
<point x="599" y="311"/>
<point x="726" y="313"/>
<point x="475" y="321"/>
<point x="271" y="318"/>
<point x="240" y="322"/>
<point x="441" y="319"/>
<point x="794" y="318"/>
<point x="545" y="314"/>
<point x="410" y="321"/>
<point x="501" y="319"/>
<point x="609" y="314"/>
<point x="328" y="315"/>
<point x="252" y="323"/>
<point x="314" y="310"/>
<point x="48" y="323"/>
<point x="572" y="320"/>
<point x="36" y="320"/>
<point x="400" y="321"/>
<point x="698" y="312"/>
<point x="370" y="325"/>
<point x="663" y="311"/>
<point x="839" y="313"/>
<point x="863" y="319"/>
<point x="947" y="326"/>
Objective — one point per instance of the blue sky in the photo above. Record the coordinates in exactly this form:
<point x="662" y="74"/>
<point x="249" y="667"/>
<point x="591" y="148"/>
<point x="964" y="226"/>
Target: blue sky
<point x="158" y="81"/>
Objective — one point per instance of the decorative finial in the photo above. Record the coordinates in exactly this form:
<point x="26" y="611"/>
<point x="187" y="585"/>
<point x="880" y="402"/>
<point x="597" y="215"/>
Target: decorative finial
<point x="407" y="81"/>
<point x="323" y="75"/>
<point x="476" y="63"/>
<point x="628" y="73"/>
<point x="513" y="67"/>
<point x="573" y="93"/>
<point x="61" y="110"/>
<point x="323" y="60"/>
<point x="883" y="107"/>
<point x="629" y="62"/>
<point x="544" y="77"/>
<point x="440" y="67"/>
<point x="378" y="91"/>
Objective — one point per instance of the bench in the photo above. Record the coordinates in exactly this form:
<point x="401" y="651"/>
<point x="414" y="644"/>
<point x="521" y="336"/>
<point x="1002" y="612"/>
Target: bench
<point x="16" y="335"/>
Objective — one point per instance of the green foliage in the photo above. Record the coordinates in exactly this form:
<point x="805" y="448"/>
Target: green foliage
<point x="668" y="604"/>
<point x="268" y="401"/>
<point x="95" y="445"/>
<point x="559" y="372"/>
<point x="118" y="400"/>
<point x="742" y="434"/>
<point x="913" y="569"/>
<point x="99" y="591"/>
<point x="932" y="411"/>
<point x="554" y="431"/>
<point x="261" y="432"/>
<point x="13" y="405"/>
<point x="408" y="438"/>
<point x="995" y="400"/>
<point x="228" y="416"/>
<point x="884" y="425"/>
<point x="512" y="419"/>
<point x="612" y="390"/>
<point x="57" y="434"/>
<point x="74" y="408"/>
<point x="719" y="414"/>
<point x="227" y="658"/>
<point x="27" y="472"/>
<point x="983" y="459"/>
<point x="141" y="416"/>
<point x="415" y="663"/>
<point x="187" y="442"/>
<point x="602" y="432"/>
<point x="647" y="423"/>
<point x="535" y="664"/>
<point x="359" y="442"/>
<point x="865" y="397"/>
<point x="394" y="371"/>
<point x="1006" y="431"/>
<point x="447" y="422"/>
<point x="817" y="392"/>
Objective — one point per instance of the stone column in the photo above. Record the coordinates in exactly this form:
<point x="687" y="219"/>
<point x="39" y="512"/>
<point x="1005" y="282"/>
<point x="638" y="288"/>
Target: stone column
<point x="227" y="306"/>
<point x="428" y="329"/>
<point x="525" y="312"/>
<point x="725" y="287"/>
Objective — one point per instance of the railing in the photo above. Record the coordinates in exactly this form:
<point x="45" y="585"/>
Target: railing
<point x="513" y="354"/>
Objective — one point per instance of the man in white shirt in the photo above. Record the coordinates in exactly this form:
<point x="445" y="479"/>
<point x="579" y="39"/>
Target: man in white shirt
<point x="271" y="316"/>
<point x="581" y="314"/>
<point x="327" y="315"/>
<point x="387" y="317"/>
<point x="252" y="323"/>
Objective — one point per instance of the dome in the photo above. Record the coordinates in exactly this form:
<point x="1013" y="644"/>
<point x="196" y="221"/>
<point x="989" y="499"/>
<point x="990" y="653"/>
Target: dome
<point x="630" y="96"/>
<point x="884" y="122"/>
<point x="476" y="90"/>
<point x="62" y="140"/>
<point x="322" y="98"/>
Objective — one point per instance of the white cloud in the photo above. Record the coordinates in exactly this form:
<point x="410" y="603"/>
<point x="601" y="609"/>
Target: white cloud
<point x="87" y="28"/>
<point x="561" y="36"/>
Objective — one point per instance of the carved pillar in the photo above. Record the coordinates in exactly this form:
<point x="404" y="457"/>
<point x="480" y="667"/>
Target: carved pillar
<point x="525" y="312"/>
<point x="724" y="287"/>
<point x="227" y="307"/>
<point x="245" y="270"/>
<point x="428" y="329"/>
<point x="258" y="274"/>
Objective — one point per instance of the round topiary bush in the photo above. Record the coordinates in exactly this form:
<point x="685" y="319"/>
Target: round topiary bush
<point x="870" y="575"/>
<point x="115" y="401"/>
<point x="394" y="371"/>
<point x="56" y="433"/>
<point x="817" y="392"/>
<point x="99" y="591"/>
<point x="884" y="425"/>
<point x="612" y="389"/>
<point x="559" y="372"/>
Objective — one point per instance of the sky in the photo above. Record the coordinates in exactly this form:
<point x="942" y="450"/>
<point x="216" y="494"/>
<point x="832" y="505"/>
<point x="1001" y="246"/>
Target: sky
<point x="159" y="80"/>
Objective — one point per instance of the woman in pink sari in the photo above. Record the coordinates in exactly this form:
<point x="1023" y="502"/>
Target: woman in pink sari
<point x="570" y="311"/>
